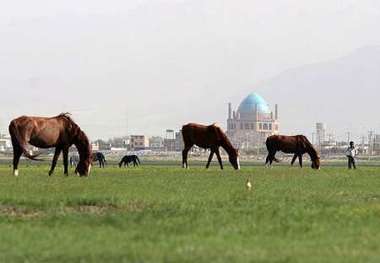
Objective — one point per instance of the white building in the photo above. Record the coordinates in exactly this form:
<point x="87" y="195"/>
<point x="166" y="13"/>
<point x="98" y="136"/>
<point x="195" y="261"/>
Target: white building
<point x="252" y="123"/>
<point x="5" y="143"/>
<point x="139" y="142"/>
<point x="156" y="143"/>
<point x="320" y="133"/>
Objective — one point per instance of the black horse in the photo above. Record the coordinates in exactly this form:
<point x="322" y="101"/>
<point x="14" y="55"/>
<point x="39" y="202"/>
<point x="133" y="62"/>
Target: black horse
<point x="130" y="159"/>
<point x="99" y="157"/>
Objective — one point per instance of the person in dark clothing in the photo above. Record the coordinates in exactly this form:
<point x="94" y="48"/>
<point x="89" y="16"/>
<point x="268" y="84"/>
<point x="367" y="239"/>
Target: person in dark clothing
<point x="351" y="153"/>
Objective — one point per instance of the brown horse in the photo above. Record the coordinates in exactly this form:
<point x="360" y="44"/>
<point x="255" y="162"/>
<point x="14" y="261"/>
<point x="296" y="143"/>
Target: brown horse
<point x="299" y="145"/>
<point x="208" y="137"/>
<point x="60" y="132"/>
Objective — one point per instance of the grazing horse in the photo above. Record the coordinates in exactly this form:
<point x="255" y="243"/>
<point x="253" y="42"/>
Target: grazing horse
<point x="100" y="158"/>
<point x="299" y="145"/>
<point x="208" y="137"/>
<point x="46" y="132"/>
<point x="130" y="159"/>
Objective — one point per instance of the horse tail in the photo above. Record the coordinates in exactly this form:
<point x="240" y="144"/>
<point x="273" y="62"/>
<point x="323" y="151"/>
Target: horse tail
<point x="18" y="141"/>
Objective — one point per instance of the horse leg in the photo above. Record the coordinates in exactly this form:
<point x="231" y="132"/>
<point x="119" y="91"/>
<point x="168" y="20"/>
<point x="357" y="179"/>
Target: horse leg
<point x="65" y="161"/>
<point x="267" y="160"/>
<point x="55" y="159"/>
<point x="300" y="159"/>
<point x="219" y="158"/>
<point x="271" y="158"/>
<point x="17" y="152"/>
<point x="210" y="159"/>
<point x="294" y="159"/>
<point x="184" y="157"/>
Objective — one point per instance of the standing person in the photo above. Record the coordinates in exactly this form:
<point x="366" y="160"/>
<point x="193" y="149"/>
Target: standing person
<point x="351" y="153"/>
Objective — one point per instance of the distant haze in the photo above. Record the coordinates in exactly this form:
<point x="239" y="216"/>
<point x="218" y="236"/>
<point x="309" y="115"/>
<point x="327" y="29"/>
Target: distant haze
<point x="143" y="66"/>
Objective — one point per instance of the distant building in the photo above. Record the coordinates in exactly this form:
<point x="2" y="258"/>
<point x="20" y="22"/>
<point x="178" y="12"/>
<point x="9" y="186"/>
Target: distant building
<point x="173" y="141"/>
<point x="95" y="146"/>
<point x="252" y="123"/>
<point x="320" y="137"/>
<point x="5" y="143"/>
<point x="178" y="141"/>
<point x="156" y="143"/>
<point x="139" y="142"/>
<point x="376" y="144"/>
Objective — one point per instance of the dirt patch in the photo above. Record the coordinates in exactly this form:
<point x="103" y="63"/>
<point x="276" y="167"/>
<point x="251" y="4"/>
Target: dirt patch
<point x="91" y="209"/>
<point x="19" y="212"/>
<point x="101" y="209"/>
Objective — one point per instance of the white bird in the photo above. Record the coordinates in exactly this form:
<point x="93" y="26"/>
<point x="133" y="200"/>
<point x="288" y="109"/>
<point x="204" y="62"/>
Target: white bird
<point x="248" y="185"/>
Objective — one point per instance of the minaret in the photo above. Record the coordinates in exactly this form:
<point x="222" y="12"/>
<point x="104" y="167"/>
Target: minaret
<point x="257" y="113"/>
<point x="229" y="120"/>
<point x="276" y="112"/>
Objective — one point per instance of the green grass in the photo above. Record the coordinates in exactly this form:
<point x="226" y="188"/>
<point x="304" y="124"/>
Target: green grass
<point x="167" y="214"/>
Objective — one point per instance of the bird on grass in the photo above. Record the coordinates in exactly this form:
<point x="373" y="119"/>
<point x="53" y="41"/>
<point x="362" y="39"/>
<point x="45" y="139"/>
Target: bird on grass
<point x="248" y="184"/>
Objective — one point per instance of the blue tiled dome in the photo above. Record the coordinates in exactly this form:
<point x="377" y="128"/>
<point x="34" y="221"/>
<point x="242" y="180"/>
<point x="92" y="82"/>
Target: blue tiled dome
<point x="248" y="105"/>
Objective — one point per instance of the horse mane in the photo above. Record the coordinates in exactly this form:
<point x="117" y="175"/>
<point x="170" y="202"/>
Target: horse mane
<point x="311" y="150"/>
<point x="226" y="143"/>
<point x="80" y="139"/>
<point x="65" y="115"/>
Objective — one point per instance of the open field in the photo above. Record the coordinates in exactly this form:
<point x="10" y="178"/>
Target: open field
<point x="161" y="213"/>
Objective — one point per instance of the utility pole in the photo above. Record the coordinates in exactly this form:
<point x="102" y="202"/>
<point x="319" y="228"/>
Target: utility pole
<point x="370" y="144"/>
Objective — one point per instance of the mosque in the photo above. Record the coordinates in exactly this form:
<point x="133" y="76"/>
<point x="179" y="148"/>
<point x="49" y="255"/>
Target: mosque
<point x="252" y="123"/>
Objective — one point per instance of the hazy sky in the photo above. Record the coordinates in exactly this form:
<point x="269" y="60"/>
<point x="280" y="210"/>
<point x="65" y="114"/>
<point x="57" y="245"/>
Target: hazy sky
<point x="144" y="66"/>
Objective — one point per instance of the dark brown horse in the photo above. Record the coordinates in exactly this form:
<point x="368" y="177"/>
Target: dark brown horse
<point x="299" y="145"/>
<point x="60" y="132"/>
<point x="208" y="137"/>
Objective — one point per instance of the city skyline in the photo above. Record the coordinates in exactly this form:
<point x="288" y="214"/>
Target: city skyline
<point x="145" y="66"/>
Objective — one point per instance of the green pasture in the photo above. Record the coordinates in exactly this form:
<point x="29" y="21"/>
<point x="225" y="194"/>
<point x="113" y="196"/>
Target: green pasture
<point x="161" y="213"/>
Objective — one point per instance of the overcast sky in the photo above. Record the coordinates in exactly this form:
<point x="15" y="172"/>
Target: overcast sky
<point x="144" y="66"/>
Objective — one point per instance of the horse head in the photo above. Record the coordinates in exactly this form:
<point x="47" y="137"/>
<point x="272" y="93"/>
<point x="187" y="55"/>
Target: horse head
<point x="234" y="159"/>
<point x="85" y="153"/>
<point x="316" y="163"/>
<point x="83" y="168"/>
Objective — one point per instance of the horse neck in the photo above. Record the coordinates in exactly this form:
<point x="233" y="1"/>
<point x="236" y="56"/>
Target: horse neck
<point x="227" y="146"/>
<point x="312" y="152"/>
<point x="82" y="143"/>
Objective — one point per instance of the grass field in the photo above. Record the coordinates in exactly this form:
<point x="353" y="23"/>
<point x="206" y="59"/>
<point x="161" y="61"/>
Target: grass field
<point x="166" y="214"/>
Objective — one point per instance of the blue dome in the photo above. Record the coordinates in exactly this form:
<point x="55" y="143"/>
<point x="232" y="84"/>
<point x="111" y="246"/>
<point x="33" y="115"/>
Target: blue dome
<point x="253" y="100"/>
